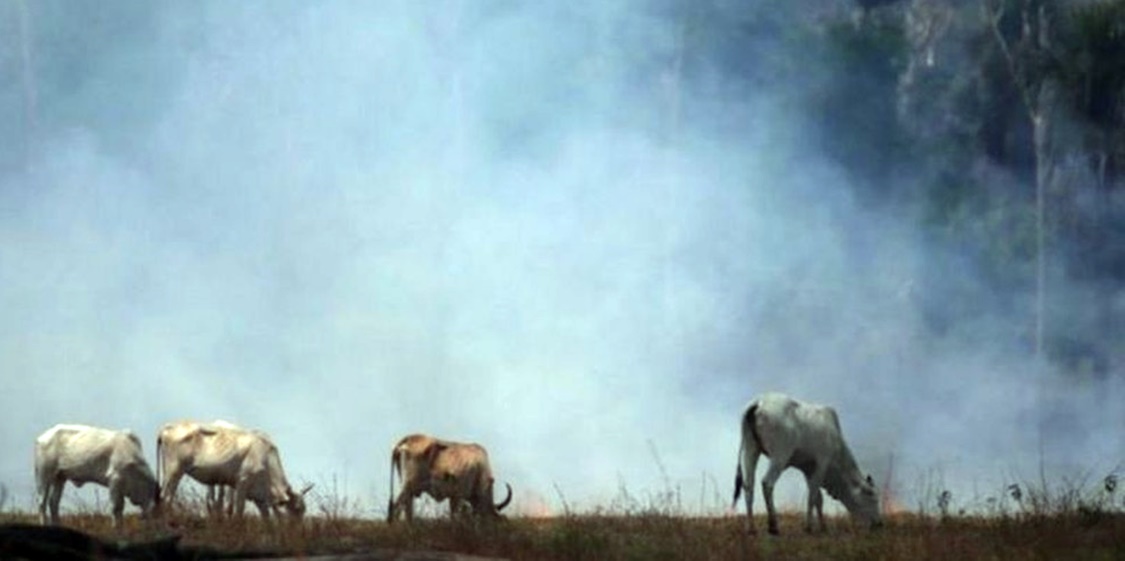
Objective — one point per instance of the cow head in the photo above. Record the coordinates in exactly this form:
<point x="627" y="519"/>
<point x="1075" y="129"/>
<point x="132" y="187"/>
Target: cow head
<point x="483" y="503"/>
<point x="141" y="488"/>
<point x="295" y="501"/>
<point x="864" y="503"/>
<point x="157" y="508"/>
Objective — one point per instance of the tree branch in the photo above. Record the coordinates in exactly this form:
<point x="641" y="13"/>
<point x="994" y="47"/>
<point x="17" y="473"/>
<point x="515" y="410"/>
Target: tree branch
<point x="995" y="13"/>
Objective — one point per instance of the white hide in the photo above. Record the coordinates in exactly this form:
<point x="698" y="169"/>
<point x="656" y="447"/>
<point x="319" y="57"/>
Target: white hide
<point x="223" y="454"/>
<point x="83" y="454"/>
<point x="806" y="436"/>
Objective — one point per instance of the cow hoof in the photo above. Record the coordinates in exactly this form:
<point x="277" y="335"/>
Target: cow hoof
<point x="774" y="531"/>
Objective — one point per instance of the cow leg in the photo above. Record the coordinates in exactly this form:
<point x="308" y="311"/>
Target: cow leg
<point x="56" y="496"/>
<point x="218" y="500"/>
<point x="403" y="504"/>
<point x="462" y="508"/>
<point x="263" y="509"/>
<point x="117" y="500"/>
<point x="815" y="504"/>
<point x="820" y="511"/>
<point x="394" y="509"/>
<point x="44" y="498"/>
<point x="212" y="501"/>
<point x="239" y="500"/>
<point x="777" y="465"/>
<point x="172" y="482"/>
<point x="43" y="478"/>
<point x="228" y="493"/>
<point x="223" y="498"/>
<point x="749" y="467"/>
<point x="815" y="481"/>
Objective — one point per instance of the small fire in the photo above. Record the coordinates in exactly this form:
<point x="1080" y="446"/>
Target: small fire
<point x="532" y="505"/>
<point x="890" y="504"/>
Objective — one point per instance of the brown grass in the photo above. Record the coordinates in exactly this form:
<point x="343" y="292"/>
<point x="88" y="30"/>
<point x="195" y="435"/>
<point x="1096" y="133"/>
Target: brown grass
<point x="1076" y="521"/>
<point x="647" y="536"/>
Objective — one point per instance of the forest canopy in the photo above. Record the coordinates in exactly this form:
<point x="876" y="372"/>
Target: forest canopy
<point x="997" y="125"/>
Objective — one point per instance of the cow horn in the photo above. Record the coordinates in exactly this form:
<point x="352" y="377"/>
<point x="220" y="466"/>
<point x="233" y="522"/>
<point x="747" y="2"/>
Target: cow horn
<point x="505" y="502"/>
<point x="306" y="489"/>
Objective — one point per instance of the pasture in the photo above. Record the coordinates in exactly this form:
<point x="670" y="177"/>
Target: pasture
<point x="1066" y="531"/>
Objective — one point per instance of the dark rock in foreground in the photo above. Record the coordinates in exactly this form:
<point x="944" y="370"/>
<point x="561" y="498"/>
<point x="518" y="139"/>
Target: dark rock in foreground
<point x="32" y="542"/>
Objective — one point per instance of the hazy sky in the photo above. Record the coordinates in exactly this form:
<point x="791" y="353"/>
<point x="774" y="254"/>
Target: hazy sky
<point x="498" y="222"/>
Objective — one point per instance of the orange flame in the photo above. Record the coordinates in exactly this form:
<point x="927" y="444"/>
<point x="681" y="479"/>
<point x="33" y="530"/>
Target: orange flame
<point x="533" y="505"/>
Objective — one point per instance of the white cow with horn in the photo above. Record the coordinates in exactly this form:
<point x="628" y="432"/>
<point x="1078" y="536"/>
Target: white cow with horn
<point x="806" y="436"/>
<point x="444" y="470"/>
<point x="222" y="454"/>
<point x="83" y="454"/>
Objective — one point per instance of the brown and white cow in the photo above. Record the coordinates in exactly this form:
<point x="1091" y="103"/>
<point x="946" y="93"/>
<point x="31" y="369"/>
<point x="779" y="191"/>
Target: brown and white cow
<point x="221" y="454"/>
<point x="83" y="454"/>
<point x="806" y="436"/>
<point x="442" y="469"/>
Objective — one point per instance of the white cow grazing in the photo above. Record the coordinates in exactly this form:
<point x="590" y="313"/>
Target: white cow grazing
<point x="222" y="454"/>
<point x="806" y="436"/>
<point x="83" y="454"/>
<point x="220" y="498"/>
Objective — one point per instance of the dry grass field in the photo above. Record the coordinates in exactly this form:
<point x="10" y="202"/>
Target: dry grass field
<point x="1073" y="535"/>
<point x="1079" y="522"/>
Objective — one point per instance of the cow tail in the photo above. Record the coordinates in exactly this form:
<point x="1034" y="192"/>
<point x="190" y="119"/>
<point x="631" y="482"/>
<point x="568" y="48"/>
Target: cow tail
<point x="737" y="476"/>
<point x="160" y="468"/>
<point x="40" y="473"/>
<point x="391" y="497"/>
<point x="748" y="420"/>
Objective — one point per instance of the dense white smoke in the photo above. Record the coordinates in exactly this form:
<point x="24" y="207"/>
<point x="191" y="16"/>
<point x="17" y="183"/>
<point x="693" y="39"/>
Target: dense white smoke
<point x="517" y="224"/>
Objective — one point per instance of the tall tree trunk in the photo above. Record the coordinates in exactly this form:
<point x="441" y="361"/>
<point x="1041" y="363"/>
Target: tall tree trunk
<point x="1042" y="118"/>
<point x="1042" y="123"/>
<point x="1037" y="29"/>
<point x="1039" y="95"/>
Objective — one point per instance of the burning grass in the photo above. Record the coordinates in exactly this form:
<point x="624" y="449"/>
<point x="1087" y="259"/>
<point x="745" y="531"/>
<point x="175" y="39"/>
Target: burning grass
<point x="644" y="536"/>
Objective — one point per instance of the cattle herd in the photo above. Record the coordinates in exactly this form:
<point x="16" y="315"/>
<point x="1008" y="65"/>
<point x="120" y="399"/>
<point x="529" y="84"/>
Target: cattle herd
<point x="245" y="462"/>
